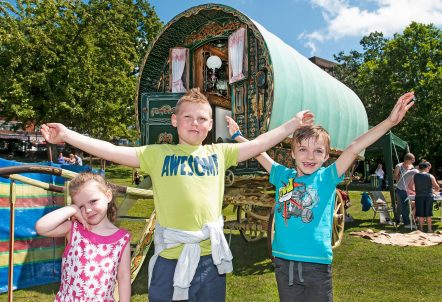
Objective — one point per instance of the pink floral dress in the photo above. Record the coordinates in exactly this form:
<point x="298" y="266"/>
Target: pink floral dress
<point x="90" y="265"/>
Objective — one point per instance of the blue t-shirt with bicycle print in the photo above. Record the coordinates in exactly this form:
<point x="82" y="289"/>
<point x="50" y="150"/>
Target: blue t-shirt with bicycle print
<point x="304" y="213"/>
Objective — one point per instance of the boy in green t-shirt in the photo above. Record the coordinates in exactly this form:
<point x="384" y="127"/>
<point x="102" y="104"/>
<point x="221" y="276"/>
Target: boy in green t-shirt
<point x="188" y="186"/>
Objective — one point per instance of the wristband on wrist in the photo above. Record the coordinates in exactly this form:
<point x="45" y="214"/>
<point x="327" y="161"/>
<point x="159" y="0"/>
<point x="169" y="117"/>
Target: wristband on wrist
<point x="236" y="134"/>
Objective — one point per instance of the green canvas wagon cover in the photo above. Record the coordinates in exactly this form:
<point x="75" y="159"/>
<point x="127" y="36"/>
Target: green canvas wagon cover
<point x="278" y="81"/>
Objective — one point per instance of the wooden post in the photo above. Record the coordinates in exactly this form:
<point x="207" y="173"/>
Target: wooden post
<point x="12" y="198"/>
<point x="49" y="146"/>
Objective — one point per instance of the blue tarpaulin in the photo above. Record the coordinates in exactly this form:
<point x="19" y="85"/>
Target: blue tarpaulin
<point x="37" y="259"/>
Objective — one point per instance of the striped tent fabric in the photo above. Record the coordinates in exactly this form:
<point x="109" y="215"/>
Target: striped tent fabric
<point x="37" y="259"/>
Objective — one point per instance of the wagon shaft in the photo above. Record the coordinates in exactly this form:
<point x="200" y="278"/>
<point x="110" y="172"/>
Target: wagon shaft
<point x="245" y="226"/>
<point x="239" y="199"/>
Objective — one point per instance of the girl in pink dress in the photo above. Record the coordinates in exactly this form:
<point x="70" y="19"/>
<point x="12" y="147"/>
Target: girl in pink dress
<point x="97" y="254"/>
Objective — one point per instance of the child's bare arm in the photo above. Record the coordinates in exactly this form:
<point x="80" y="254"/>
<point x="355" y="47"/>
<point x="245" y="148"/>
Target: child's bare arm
<point x="397" y="114"/>
<point x="123" y="276"/>
<point x="411" y="188"/>
<point x="269" y="139"/>
<point x="56" y="133"/>
<point x="263" y="158"/>
<point x="396" y="173"/>
<point x="56" y="223"/>
<point x="436" y="187"/>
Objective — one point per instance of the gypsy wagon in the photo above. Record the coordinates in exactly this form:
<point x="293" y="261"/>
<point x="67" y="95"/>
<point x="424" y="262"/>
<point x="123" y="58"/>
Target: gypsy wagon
<point x="248" y="73"/>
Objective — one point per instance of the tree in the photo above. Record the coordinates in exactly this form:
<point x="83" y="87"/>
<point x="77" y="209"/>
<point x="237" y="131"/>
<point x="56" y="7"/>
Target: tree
<point x="387" y="68"/>
<point x="74" y="62"/>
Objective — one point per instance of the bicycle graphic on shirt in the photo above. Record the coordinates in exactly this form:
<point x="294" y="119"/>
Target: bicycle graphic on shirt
<point x="297" y="203"/>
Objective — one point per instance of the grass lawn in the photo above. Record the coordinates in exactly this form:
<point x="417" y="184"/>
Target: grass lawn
<point x="362" y="270"/>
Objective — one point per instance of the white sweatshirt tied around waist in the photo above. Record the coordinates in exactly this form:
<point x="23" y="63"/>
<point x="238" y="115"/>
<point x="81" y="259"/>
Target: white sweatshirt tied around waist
<point x="165" y="238"/>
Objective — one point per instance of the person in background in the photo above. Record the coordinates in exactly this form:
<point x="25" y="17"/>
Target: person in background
<point x="425" y="185"/>
<point x="71" y="159"/>
<point x="404" y="166"/>
<point x="404" y="185"/>
<point x="380" y="175"/>
<point x="78" y="160"/>
<point x="402" y="208"/>
<point x="136" y="178"/>
<point x="61" y="159"/>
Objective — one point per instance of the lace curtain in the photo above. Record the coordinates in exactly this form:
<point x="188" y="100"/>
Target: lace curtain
<point x="178" y="64"/>
<point x="236" y="55"/>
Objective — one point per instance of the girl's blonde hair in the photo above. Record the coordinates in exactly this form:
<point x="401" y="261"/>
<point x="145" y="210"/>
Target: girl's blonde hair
<point x="81" y="179"/>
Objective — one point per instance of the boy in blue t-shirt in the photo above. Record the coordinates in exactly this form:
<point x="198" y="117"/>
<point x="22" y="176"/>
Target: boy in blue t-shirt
<point x="305" y="202"/>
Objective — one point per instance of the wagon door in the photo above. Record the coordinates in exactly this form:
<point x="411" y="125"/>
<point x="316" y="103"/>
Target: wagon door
<point x="156" y="111"/>
<point x="210" y="74"/>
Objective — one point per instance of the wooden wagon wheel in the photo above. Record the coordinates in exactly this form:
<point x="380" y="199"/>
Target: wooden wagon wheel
<point x="229" y="178"/>
<point x="244" y="214"/>
<point x="338" y="220"/>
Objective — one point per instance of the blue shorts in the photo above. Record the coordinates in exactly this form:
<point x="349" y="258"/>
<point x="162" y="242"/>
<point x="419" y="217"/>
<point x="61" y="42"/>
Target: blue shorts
<point x="303" y="281"/>
<point x="206" y="285"/>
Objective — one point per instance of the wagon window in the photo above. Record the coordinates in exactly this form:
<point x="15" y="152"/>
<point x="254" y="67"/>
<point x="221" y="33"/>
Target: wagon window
<point x="179" y="69"/>
<point x="238" y="55"/>
<point x="210" y="70"/>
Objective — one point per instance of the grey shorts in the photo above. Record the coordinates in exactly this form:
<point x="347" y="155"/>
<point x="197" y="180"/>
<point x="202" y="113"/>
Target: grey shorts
<point x="303" y="281"/>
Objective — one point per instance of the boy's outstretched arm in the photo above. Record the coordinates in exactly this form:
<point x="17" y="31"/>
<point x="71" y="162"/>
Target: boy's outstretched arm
<point x="397" y="114"/>
<point x="269" y="139"/>
<point x="56" y="133"/>
<point x="263" y="158"/>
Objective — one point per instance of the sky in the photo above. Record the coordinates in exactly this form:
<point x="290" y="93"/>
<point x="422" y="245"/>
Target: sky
<point x="322" y="27"/>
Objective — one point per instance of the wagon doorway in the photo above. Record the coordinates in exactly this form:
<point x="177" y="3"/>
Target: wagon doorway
<point x="210" y="73"/>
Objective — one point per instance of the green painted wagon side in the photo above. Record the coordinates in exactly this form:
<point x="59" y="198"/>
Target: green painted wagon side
<point x="299" y="84"/>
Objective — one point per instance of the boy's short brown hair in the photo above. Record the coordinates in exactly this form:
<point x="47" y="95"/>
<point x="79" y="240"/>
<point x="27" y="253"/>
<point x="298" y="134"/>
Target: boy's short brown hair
<point x="195" y="96"/>
<point x="312" y="131"/>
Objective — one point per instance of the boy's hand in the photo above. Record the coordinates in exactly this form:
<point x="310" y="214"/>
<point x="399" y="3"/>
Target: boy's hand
<point x="231" y="125"/>
<point x="305" y="118"/>
<point x="80" y="215"/>
<point x="404" y="103"/>
<point x="53" y="132"/>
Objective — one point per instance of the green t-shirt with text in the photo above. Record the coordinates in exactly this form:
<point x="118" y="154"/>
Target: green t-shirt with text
<point x="188" y="185"/>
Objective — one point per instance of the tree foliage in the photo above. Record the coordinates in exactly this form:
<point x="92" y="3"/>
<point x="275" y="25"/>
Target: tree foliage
<point x="74" y="62"/>
<point x="410" y="61"/>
